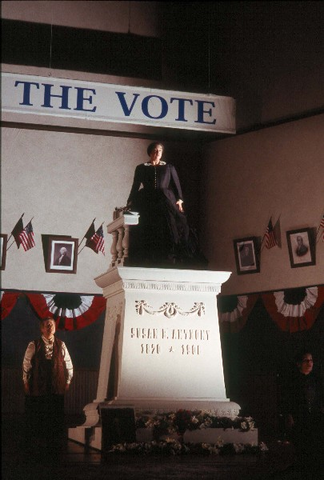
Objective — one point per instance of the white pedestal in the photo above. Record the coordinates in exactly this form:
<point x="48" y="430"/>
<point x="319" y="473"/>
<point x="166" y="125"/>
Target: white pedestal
<point x="162" y="338"/>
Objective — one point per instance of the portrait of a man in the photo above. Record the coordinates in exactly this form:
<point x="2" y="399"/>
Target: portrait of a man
<point x="301" y="248"/>
<point x="62" y="255"/>
<point x="63" y="258"/>
<point x="246" y="255"/>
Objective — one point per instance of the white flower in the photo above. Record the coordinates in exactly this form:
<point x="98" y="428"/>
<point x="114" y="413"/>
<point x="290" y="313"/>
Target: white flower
<point x="238" y="447"/>
<point x="208" y="422"/>
<point x="214" y="450"/>
<point x="120" y="447"/>
<point x="263" y="447"/>
<point x="170" y="440"/>
<point x="219" y="442"/>
<point x="133" y="446"/>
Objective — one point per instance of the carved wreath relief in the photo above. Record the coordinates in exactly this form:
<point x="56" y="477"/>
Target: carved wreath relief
<point x="175" y="340"/>
<point x="169" y="309"/>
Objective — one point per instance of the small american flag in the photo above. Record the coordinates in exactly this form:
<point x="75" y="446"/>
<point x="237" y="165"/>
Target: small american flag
<point x="90" y="232"/>
<point x="17" y="231"/>
<point x="270" y="239"/>
<point x="97" y="241"/>
<point x="322" y="222"/>
<point x="27" y="237"/>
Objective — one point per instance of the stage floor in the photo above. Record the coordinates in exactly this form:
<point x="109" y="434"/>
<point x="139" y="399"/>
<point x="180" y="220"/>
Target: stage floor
<point x="78" y="463"/>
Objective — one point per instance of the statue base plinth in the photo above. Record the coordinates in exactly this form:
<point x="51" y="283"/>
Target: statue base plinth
<point x="219" y="408"/>
<point x="161" y="346"/>
<point x="91" y="433"/>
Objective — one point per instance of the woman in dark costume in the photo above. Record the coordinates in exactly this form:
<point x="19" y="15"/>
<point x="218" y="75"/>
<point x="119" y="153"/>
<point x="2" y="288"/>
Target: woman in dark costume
<point x="162" y="236"/>
<point x="303" y="404"/>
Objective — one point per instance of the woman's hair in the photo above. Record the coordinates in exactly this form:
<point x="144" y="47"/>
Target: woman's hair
<point x="151" y="147"/>
<point x="301" y="354"/>
<point x="47" y="318"/>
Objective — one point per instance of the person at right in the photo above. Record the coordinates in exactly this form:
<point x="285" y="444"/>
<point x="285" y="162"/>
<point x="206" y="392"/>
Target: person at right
<point x="304" y="412"/>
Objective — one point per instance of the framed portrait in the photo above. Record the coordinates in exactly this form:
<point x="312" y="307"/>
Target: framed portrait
<point x="247" y="255"/>
<point x="301" y="247"/>
<point x="62" y="254"/>
<point x="3" y="250"/>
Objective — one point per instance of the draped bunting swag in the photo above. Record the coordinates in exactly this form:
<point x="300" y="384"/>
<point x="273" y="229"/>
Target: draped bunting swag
<point x="289" y="317"/>
<point x="234" y="320"/>
<point x="8" y="301"/>
<point x="71" y="311"/>
<point x="294" y="318"/>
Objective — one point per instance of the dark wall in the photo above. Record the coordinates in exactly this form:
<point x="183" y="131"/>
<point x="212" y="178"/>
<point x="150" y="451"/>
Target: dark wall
<point x="259" y="359"/>
<point x="80" y="49"/>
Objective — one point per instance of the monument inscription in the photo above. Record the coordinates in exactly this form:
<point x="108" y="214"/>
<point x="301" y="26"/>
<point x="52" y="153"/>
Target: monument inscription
<point x="177" y="335"/>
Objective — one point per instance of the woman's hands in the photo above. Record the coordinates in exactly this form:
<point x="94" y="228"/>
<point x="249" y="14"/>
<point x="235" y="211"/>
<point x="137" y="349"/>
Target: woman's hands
<point x="179" y="203"/>
<point x="289" y="422"/>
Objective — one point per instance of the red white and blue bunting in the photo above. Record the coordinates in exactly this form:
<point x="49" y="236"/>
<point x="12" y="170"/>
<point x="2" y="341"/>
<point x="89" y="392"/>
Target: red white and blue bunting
<point x="293" y="310"/>
<point x="294" y="317"/>
<point x="71" y="311"/>
<point x="7" y="302"/>
<point x="233" y="318"/>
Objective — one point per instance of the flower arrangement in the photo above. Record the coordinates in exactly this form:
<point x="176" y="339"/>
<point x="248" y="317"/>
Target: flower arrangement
<point x="167" y="425"/>
<point x="178" y="422"/>
<point x="170" y="446"/>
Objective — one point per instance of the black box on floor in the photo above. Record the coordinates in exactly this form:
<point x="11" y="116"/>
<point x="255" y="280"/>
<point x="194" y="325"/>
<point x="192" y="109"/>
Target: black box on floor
<point x="118" y="426"/>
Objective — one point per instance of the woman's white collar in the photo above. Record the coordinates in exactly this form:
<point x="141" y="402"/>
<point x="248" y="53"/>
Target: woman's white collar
<point x="149" y="164"/>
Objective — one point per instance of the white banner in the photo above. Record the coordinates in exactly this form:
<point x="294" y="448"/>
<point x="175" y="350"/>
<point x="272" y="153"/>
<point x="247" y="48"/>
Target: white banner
<point x="48" y="96"/>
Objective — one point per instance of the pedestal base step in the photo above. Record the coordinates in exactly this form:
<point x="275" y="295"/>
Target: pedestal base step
<point x="88" y="436"/>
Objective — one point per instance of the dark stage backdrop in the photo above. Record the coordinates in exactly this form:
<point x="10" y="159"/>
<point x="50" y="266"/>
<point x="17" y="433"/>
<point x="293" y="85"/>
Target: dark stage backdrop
<point x="258" y="356"/>
<point x="258" y="360"/>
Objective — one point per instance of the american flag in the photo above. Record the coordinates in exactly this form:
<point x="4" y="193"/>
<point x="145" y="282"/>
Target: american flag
<point x="17" y="231"/>
<point x="27" y="237"/>
<point x="322" y="222"/>
<point x="90" y="232"/>
<point x="270" y="239"/>
<point x="97" y="241"/>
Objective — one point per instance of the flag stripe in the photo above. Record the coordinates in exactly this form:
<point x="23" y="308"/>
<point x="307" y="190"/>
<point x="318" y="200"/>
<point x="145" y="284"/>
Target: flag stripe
<point x="270" y="239"/>
<point x="27" y="237"/>
<point x="322" y="222"/>
<point x="97" y="241"/>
